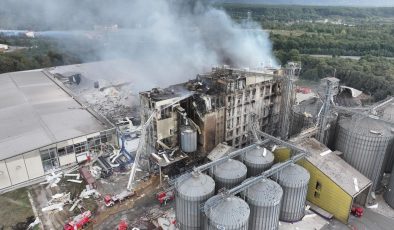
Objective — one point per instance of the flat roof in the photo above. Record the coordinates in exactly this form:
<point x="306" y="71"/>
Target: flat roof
<point x="36" y="112"/>
<point x="333" y="166"/>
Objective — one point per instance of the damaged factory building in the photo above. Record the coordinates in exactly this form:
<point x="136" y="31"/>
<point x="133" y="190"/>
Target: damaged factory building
<point x="216" y="107"/>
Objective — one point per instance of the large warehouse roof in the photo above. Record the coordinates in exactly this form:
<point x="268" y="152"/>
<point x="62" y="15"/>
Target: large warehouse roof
<point x="35" y="112"/>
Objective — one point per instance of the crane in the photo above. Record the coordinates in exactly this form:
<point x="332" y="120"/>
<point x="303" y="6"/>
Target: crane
<point x="139" y="150"/>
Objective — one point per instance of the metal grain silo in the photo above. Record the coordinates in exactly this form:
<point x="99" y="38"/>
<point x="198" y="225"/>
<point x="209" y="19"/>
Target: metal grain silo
<point x="264" y="199"/>
<point x="258" y="160"/>
<point x="188" y="139"/>
<point x="389" y="194"/>
<point x="364" y="143"/>
<point x="229" y="174"/>
<point x="189" y="196"/>
<point x="294" y="180"/>
<point x="304" y="115"/>
<point x="232" y="213"/>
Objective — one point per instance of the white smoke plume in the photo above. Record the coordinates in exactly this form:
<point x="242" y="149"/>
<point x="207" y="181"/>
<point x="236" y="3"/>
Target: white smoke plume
<point x="168" y="41"/>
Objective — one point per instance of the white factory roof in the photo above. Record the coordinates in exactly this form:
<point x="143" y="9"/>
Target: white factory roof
<point x="36" y="112"/>
<point x="333" y="166"/>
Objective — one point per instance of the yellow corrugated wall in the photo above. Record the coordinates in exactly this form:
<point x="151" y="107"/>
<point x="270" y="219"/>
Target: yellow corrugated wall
<point x="329" y="196"/>
<point x="281" y="154"/>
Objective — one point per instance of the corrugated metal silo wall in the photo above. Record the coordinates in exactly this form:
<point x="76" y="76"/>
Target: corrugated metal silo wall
<point x="257" y="169"/>
<point x="293" y="203"/>
<point x="389" y="194"/>
<point x="264" y="217"/>
<point x="212" y="225"/>
<point x="228" y="182"/>
<point x="390" y="159"/>
<point x="365" y="153"/>
<point x="188" y="212"/>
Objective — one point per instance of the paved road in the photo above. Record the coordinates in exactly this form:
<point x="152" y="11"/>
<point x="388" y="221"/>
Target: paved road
<point x="370" y="221"/>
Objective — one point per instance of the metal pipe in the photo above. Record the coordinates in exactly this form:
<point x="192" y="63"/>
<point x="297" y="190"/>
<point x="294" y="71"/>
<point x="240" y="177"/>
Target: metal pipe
<point x="279" y="141"/>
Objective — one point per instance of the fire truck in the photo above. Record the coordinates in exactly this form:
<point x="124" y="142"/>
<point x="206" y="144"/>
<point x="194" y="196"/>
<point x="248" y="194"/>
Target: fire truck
<point x="79" y="222"/>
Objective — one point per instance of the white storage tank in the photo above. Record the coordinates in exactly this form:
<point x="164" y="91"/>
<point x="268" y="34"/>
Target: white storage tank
<point x="188" y="139"/>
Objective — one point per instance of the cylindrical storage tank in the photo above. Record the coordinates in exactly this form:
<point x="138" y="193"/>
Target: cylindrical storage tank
<point x="190" y="194"/>
<point x="264" y="199"/>
<point x="304" y="115"/>
<point x="258" y="160"/>
<point x="364" y="143"/>
<point x="294" y="180"/>
<point x="229" y="174"/>
<point x="232" y="213"/>
<point x="389" y="194"/>
<point x="188" y="139"/>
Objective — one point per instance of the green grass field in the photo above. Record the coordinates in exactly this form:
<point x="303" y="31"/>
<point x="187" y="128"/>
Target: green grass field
<point x="15" y="207"/>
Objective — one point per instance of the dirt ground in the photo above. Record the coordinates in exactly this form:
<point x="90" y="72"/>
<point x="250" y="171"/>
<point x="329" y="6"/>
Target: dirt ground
<point x="15" y="208"/>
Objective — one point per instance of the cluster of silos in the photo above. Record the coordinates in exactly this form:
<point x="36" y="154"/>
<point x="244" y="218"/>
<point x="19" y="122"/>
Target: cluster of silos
<point x="229" y="174"/>
<point x="190" y="194"/>
<point x="188" y="139"/>
<point x="232" y="213"/>
<point x="258" y="160"/>
<point x="264" y="199"/>
<point x="364" y="142"/>
<point x="294" y="181"/>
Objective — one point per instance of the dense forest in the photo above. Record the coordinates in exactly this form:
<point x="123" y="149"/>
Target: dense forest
<point x="297" y="32"/>
<point x="36" y="53"/>
<point x="372" y="75"/>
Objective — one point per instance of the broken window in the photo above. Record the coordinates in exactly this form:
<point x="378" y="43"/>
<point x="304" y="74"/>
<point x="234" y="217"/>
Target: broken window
<point x="49" y="159"/>
<point x="316" y="194"/>
<point x="80" y="147"/>
<point x="318" y="186"/>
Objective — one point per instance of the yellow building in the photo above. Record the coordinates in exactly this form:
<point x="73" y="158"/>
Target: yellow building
<point x="334" y="185"/>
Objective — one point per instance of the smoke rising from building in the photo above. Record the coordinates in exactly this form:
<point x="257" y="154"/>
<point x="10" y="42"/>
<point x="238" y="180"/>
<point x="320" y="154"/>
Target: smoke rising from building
<point x="167" y="40"/>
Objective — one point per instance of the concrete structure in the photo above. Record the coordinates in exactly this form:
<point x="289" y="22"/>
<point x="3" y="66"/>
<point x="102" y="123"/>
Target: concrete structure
<point x="294" y="181"/>
<point x="221" y="105"/>
<point x="190" y="194"/>
<point x="334" y="185"/>
<point x="264" y="199"/>
<point x="43" y="128"/>
<point x="230" y="214"/>
<point x="229" y="174"/>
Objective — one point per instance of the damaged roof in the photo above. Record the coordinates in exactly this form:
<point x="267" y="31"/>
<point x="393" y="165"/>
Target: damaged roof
<point x="333" y="166"/>
<point x="36" y="112"/>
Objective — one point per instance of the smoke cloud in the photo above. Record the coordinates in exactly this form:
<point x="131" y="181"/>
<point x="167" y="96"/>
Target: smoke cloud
<point x="167" y="41"/>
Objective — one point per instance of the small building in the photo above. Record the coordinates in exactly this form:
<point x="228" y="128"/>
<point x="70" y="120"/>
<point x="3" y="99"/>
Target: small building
<point x="334" y="185"/>
<point x="43" y="128"/>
